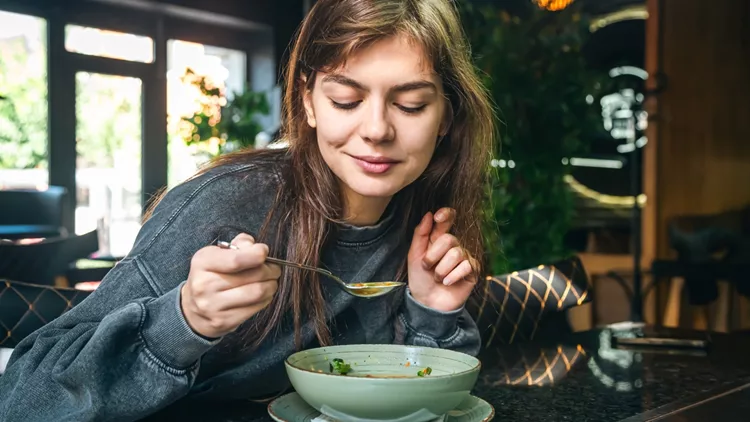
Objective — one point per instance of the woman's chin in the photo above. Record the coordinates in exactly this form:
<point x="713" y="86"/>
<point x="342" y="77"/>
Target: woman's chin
<point x="376" y="193"/>
<point x="373" y="189"/>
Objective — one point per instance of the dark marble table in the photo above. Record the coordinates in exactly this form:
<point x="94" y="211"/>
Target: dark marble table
<point x="582" y="377"/>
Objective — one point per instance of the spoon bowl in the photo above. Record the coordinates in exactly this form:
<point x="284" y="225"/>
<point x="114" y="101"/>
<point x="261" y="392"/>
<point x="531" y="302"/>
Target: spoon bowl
<point x="366" y="290"/>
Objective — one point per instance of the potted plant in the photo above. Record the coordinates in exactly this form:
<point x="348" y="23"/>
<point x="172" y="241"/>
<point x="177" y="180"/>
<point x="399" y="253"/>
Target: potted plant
<point x="537" y="75"/>
<point x="224" y="124"/>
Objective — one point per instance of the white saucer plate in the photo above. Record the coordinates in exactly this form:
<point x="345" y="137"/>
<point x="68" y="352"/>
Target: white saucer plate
<point x="292" y="408"/>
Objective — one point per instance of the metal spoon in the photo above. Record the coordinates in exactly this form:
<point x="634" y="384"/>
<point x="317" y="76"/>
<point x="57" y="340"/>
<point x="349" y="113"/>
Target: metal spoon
<point x="368" y="290"/>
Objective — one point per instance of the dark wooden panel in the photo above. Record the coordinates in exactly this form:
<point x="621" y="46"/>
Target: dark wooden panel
<point x="702" y="144"/>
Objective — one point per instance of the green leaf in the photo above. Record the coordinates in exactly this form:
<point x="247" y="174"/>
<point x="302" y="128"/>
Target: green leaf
<point x="338" y="366"/>
<point x="539" y="80"/>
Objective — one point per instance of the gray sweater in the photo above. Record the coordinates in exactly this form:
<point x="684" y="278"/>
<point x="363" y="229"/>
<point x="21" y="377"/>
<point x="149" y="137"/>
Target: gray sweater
<point x="126" y="351"/>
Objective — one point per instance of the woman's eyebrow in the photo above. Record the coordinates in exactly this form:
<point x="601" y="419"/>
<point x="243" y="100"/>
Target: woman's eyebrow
<point x="415" y="85"/>
<point x="343" y="80"/>
<point x="408" y="86"/>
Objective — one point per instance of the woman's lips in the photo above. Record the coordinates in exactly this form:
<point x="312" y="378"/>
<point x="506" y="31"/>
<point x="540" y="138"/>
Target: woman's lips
<point x="374" y="165"/>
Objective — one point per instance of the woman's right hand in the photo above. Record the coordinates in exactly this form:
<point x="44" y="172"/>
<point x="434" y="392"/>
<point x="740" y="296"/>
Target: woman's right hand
<point x="226" y="287"/>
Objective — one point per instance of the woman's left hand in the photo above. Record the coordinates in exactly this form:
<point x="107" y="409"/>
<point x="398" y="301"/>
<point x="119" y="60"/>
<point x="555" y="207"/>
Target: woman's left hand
<point x="441" y="273"/>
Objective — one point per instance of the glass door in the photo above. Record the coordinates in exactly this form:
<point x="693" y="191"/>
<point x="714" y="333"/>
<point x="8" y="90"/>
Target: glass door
<point x="109" y="142"/>
<point x="112" y="73"/>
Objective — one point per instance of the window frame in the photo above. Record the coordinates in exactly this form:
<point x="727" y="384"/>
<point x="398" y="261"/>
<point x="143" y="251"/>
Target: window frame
<point x="253" y="39"/>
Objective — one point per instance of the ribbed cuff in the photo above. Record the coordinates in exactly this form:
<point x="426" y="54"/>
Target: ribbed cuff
<point x="430" y="322"/>
<point x="168" y="336"/>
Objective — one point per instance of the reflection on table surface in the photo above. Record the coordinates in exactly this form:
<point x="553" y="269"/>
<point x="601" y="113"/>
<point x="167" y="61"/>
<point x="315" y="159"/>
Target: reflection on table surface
<point x="581" y="377"/>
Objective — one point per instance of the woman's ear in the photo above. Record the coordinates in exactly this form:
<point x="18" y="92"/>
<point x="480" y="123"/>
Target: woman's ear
<point x="307" y="100"/>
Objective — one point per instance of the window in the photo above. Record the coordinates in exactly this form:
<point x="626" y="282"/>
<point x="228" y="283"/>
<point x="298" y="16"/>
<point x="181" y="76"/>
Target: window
<point x="23" y="102"/>
<point x="112" y="44"/>
<point x="108" y="168"/>
<point x="224" y="69"/>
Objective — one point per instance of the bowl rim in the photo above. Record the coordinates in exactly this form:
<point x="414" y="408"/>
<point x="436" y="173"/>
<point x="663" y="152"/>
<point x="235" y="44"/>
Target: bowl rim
<point x="477" y="367"/>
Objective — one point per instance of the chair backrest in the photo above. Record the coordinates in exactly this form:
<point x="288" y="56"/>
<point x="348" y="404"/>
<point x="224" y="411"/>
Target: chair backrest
<point x="722" y="238"/>
<point x="513" y="307"/>
<point x="33" y="207"/>
<point x="25" y="307"/>
<point x="41" y="262"/>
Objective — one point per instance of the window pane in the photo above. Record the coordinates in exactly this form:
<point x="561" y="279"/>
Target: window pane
<point x="108" y="168"/>
<point x="224" y="69"/>
<point x="112" y="44"/>
<point x="23" y="101"/>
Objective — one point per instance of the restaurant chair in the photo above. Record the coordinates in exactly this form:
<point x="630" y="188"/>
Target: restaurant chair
<point x="42" y="262"/>
<point x="712" y="257"/>
<point x="520" y="305"/>
<point x="26" y="307"/>
<point x="31" y="213"/>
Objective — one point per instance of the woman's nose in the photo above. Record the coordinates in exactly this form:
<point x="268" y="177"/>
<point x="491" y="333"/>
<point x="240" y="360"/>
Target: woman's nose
<point x="376" y="126"/>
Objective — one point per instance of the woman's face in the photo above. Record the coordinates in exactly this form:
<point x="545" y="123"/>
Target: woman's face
<point x="378" y="118"/>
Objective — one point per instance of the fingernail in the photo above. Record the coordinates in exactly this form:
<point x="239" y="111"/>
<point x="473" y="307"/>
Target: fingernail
<point x="447" y="281"/>
<point x="440" y="217"/>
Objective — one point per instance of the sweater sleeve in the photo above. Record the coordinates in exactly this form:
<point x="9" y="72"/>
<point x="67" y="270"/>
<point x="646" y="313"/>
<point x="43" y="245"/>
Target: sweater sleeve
<point x="126" y="351"/>
<point x="423" y="326"/>
<point x="121" y="354"/>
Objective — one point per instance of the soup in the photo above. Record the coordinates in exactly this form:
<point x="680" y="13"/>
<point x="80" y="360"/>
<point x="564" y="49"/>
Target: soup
<point x="372" y="288"/>
<point x="339" y="367"/>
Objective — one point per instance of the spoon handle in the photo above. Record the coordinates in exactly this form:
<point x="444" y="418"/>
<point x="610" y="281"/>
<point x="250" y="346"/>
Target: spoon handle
<point x="303" y="267"/>
<point x="227" y="245"/>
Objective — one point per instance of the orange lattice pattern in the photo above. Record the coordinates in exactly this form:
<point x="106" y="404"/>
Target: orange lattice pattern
<point x="26" y="307"/>
<point x="513" y="305"/>
<point x="537" y="367"/>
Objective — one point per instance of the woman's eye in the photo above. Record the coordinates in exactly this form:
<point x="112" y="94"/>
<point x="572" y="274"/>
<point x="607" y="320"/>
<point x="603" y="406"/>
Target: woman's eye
<point x="411" y="110"/>
<point x="345" y="106"/>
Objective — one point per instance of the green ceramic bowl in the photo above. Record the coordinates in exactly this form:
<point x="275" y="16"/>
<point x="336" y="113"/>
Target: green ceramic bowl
<point x="383" y="384"/>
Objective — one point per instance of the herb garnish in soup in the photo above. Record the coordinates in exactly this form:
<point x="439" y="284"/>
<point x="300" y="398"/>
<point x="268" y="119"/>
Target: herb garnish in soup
<point x="340" y="367"/>
<point x="424" y="372"/>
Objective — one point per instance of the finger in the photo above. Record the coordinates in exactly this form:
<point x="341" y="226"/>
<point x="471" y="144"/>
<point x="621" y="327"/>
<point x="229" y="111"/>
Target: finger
<point x="463" y="271"/>
<point x="237" y="316"/>
<point x="421" y="240"/>
<point x="243" y="240"/>
<point x="229" y="261"/>
<point x="444" y="219"/>
<point x="247" y="295"/>
<point x="438" y="249"/>
<point x="262" y="273"/>
<point x="450" y="260"/>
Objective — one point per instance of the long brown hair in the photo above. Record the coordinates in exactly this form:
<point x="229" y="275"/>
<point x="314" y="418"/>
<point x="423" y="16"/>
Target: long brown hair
<point x="309" y="203"/>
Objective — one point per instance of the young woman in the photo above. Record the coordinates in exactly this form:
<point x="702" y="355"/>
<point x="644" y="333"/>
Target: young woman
<point x="389" y="132"/>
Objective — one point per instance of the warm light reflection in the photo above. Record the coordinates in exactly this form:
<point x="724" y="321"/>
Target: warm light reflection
<point x="620" y="201"/>
<point x="632" y="13"/>
<point x="553" y="5"/>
